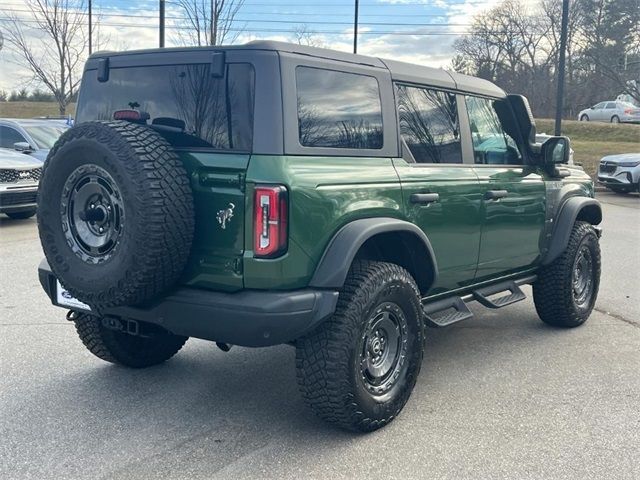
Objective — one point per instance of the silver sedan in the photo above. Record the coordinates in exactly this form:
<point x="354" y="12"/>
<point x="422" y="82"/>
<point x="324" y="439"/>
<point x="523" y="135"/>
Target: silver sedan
<point x="613" y="111"/>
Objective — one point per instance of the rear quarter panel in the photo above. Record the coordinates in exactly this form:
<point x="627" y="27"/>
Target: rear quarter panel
<point x="325" y="193"/>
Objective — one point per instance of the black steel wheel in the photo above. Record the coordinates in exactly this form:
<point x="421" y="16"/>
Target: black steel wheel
<point x="93" y="213"/>
<point x="566" y="290"/>
<point x="383" y="348"/>
<point x="358" y="369"/>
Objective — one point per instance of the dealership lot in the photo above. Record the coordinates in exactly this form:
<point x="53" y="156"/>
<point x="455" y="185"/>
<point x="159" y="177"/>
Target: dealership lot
<point x="502" y="396"/>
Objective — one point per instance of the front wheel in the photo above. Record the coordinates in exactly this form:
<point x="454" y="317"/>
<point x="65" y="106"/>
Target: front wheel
<point x="358" y="369"/>
<point x="584" y="118"/>
<point x="566" y="290"/>
<point x="135" y="351"/>
<point x="21" y="215"/>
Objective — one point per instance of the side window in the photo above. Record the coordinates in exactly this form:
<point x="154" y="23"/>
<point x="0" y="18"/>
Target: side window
<point x="611" y="106"/>
<point x="9" y="136"/>
<point x="338" y="109"/>
<point x="429" y="124"/>
<point x="492" y="145"/>
<point x="599" y="106"/>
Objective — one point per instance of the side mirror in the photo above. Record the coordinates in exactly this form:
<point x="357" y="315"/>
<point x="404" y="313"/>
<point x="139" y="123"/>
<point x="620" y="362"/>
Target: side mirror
<point x="23" y="147"/>
<point x="555" y="150"/>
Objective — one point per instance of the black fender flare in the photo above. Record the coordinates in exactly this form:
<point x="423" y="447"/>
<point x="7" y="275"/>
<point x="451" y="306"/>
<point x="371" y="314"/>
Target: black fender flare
<point x="575" y="208"/>
<point x="334" y="265"/>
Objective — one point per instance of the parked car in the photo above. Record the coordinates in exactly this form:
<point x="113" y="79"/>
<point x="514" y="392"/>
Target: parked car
<point x="19" y="177"/>
<point x="612" y="111"/>
<point x="620" y="173"/>
<point x="543" y="137"/>
<point x="335" y="202"/>
<point x="32" y="136"/>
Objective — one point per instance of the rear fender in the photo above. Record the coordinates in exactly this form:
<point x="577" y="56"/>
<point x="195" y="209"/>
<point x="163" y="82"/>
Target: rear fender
<point x="354" y="238"/>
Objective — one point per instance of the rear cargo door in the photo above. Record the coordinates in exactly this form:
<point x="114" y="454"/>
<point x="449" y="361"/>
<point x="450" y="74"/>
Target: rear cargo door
<point x="202" y="103"/>
<point x="218" y="184"/>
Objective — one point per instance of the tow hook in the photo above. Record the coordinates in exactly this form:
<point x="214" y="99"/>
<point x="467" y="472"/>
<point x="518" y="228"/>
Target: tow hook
<point x="72" y="316"/>
<point x="225" y="347"/>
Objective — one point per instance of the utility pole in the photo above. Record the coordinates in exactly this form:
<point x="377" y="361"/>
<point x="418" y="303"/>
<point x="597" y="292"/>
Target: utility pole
<point x="563" y="50"/>
<point x="90" y="28"/>
<point x="355" y="29"/>
<point x="161" y="23"/>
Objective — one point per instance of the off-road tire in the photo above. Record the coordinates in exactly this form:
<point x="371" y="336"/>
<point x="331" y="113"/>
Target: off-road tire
<point x="153" y="241"/>
<point x="327" y="360"/>
<point x="21" y="215"/>
<point x="553" y="291"/>
<point x="125" y="349"/>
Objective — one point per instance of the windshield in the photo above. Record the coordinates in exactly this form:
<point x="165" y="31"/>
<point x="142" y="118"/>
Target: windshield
<point x="45" y="135"/>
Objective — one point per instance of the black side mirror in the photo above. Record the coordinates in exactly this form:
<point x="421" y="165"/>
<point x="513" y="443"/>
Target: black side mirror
<point x="555" y="150"/>
<point x="22" y="147"/>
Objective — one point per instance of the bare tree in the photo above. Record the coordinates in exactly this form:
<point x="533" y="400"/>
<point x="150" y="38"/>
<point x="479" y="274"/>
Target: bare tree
<point x="53" y="50"/>
<point x="209" y="22"/>
<point x="305" y="36"/>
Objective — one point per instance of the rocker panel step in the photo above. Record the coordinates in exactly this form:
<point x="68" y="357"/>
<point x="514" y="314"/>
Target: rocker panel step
<point x="516" y="294"/>
<point x="438" y="313"/>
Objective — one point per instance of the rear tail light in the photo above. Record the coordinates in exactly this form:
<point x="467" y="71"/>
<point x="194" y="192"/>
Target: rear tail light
<point x="270" y="214"/>
<point x="628" y="111"/>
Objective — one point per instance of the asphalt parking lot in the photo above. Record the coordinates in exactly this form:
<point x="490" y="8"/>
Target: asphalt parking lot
<point x="502" y="396"/>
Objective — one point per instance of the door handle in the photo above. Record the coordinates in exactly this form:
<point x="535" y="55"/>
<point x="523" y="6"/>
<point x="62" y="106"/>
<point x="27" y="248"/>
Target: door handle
<point x="496" y="194"/>
<point x="424" y="198"/>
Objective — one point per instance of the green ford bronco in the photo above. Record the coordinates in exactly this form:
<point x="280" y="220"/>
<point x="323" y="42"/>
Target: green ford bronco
<point x="271" y="193"/>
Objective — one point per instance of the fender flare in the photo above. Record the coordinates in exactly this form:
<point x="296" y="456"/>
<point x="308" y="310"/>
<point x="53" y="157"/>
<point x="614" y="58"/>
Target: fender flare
<point x="332" y="270"/>
<point x="583" y="208"/>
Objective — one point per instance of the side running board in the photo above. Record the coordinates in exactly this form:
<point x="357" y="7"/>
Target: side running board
<point x="447" y="311"/>
<point x="516" y="294"/>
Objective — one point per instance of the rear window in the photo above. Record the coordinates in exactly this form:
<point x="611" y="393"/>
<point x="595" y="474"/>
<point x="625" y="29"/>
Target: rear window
<point x="338" y="109"/>
<point x="185" y="103"/>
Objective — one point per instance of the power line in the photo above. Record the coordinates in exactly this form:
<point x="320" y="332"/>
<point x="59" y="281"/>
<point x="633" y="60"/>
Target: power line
<point x="249" y="20"/>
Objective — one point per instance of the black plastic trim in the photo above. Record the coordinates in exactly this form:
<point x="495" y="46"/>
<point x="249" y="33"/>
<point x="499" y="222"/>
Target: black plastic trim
<point x="249" y="318"/>
<point x="564" y="224"/>
<point x="334" y="265"/>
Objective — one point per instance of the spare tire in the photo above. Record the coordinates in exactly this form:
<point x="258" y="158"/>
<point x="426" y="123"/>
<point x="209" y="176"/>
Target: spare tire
<point x="115" y="213"/>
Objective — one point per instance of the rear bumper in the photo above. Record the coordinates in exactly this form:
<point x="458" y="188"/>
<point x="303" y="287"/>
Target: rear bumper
<point x="250" y="318"/>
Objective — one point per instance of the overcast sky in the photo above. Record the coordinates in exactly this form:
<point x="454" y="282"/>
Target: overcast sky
<point x="419" y="31"/>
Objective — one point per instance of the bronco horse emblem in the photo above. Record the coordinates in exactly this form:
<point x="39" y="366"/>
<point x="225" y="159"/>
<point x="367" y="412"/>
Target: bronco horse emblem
<point x="225" y="215"/>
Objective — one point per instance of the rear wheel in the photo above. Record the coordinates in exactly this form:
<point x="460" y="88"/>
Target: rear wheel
<point x="566" y="290"/>
<point x="135" y="351"/>
<point x="584" y="118"/>
<point x="22" y="215"/>
<point x="615" y="119"/>
<point x="357" y="370"/>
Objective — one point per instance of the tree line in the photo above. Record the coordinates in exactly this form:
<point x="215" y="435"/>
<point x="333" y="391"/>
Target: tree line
<point x="517" y="47"/>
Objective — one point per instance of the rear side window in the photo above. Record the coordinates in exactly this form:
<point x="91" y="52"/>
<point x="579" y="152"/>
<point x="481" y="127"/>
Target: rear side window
<point x="429" y="124"/>
<point x="338" y="109"/>
<point x="185" y="103"/>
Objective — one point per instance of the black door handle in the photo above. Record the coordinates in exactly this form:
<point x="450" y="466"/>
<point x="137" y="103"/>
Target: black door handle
<point x="424" y="198"/>
<point x="495" y="194"/>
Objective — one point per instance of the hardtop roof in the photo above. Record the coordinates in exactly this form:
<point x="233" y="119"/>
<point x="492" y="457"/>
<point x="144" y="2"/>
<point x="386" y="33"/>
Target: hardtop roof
<point x="400" y="71"/>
